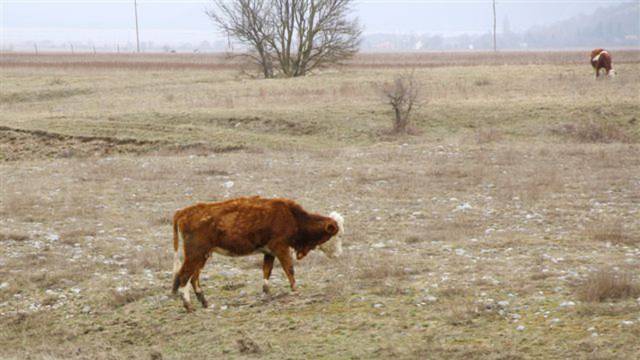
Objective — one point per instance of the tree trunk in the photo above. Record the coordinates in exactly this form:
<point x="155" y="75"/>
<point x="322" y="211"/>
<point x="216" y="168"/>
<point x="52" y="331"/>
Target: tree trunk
<point x="399" y="122"/>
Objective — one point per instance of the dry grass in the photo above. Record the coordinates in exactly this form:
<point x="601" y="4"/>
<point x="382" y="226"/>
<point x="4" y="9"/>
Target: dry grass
<point x="44" y="95"/>
<point x="119" y="298"/>
<point x="461" y="312"/>
<point x="596" y="131"/>
<point x="482" y="82"/>
<point x="375" y="270"/>
<point x="169" y="62"/>
<point x="490" y="135"/>
<point x="613" y="232"/>
<point x="13" y="236"/>
<point x="455" y="237"/>
<point x="609" y="285"/>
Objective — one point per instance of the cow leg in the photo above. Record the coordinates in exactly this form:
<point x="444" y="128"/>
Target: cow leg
<point x="287" y="265"/>
<point x="267" y="266"/>
<point x="181" y="282"/>
<point x="195" y="283"/>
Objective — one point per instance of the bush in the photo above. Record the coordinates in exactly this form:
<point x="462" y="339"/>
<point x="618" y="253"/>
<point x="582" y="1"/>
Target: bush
<point x="606" y="284"/>
<point x="402" y="95"/>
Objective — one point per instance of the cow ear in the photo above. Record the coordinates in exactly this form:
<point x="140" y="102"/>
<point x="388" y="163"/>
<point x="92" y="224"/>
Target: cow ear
<point x="331" y="228"/>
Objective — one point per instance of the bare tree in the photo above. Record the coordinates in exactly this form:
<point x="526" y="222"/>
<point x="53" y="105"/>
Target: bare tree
<point x="248" y="21"/>
<point x="296" y="36"/>
<point x="402" y="95"/>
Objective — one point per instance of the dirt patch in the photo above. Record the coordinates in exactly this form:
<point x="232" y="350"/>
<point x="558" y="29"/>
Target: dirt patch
<point x="19" y="144"/>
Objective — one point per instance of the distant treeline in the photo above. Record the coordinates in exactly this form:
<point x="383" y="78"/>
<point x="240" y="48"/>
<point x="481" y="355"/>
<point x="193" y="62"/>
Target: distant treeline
<point x="617" y="26"/>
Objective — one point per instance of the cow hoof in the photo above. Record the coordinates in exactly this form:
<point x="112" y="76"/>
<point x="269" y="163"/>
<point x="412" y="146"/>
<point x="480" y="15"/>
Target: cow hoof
<point x="265" y="289"/>
<point x="202" y="300"/>
<point x="188" y="307"/>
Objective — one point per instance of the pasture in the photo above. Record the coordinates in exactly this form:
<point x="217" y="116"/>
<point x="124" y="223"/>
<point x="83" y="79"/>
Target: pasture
<point x="508" y="227"/>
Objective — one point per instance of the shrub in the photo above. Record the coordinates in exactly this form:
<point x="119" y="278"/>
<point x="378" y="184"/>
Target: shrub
<point x="402" y="96"/>
<point x="606" y="284"/>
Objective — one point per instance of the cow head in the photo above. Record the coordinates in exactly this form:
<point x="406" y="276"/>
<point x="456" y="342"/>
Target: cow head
<point x="333" y="248"/>
<point x="320" y="235"/>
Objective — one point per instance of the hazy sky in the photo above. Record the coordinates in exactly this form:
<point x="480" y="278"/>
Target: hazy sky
<point x="171" y="21"/>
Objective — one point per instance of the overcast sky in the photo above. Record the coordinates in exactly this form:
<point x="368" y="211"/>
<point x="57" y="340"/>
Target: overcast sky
<point x="172" y="22"/>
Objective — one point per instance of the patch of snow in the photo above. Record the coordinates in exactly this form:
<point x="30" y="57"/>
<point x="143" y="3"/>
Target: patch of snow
<point x="567" y="304"/>
<point x="463" y="207"/>
<point x="52" y="237"/>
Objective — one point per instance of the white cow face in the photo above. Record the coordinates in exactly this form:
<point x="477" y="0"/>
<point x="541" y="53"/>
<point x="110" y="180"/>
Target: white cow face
<point x="333" y="247"/>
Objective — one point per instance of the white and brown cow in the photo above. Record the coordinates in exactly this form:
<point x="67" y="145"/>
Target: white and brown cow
<point x="601" y="59"/>
<point x="246" y="226"/>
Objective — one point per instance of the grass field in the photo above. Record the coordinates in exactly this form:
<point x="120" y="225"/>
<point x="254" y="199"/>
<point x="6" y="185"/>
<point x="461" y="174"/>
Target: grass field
<point x="507" y="228"/>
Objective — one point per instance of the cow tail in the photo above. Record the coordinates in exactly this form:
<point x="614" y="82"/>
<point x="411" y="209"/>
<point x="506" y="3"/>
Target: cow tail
<point x="177" y="240"/>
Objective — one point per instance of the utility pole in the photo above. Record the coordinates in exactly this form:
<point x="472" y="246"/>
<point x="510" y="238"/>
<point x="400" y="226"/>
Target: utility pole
<point x="135" y="10"/>
<point x="495" y="47"/>
<point x="35" y="45"/>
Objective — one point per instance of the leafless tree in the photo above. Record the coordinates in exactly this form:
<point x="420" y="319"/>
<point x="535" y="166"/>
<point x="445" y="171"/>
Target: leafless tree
<point x="248" y="21"/>
<point x="294" y="36"/>
<point x="402" y="95"/>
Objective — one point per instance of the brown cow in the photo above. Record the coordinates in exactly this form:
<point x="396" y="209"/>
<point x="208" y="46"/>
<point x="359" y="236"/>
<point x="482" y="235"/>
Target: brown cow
<point x="601" y="59"/>
<point x="246" y="226"/>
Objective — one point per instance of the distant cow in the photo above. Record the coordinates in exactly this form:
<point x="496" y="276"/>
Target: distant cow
<point x="601" y="59"/>
<point x="247" y="226"/>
